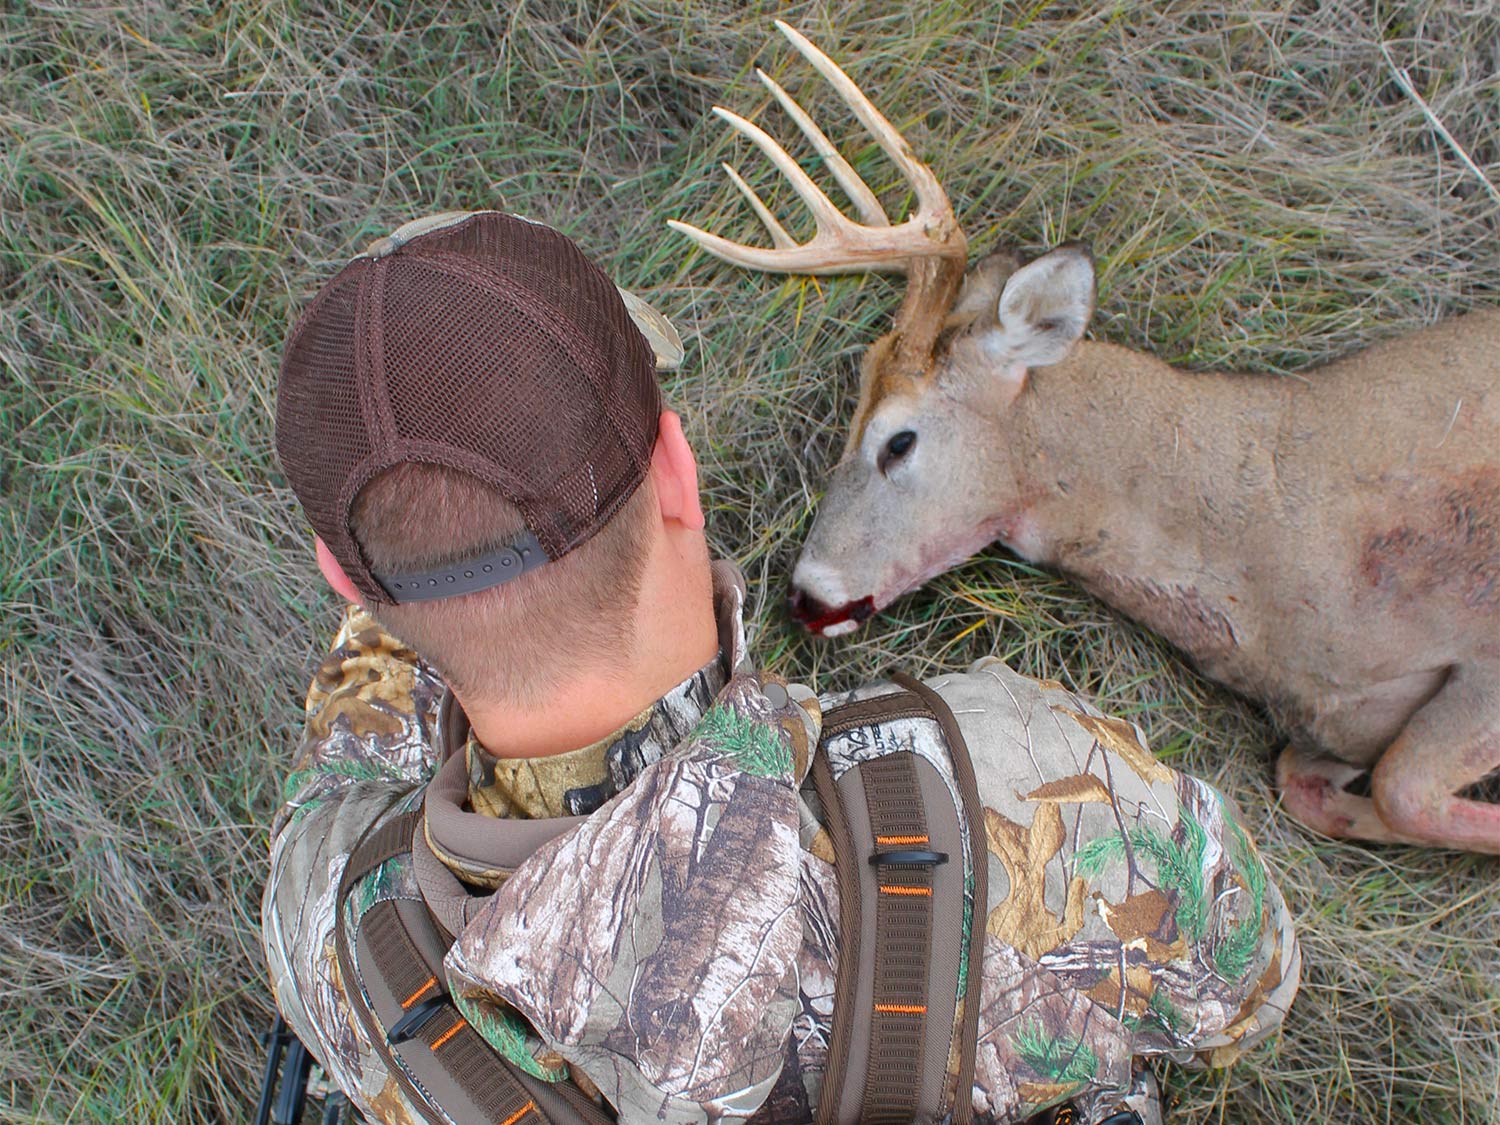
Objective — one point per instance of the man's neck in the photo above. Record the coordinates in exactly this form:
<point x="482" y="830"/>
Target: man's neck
<point x="675" y="635"/>
<point x="579" y="714"/>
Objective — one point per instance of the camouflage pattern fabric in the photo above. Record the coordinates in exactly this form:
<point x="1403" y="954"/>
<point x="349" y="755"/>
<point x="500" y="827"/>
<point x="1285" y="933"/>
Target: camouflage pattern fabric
<point x="365" y="754"/>
<point x="1129" y="912"/>
<point x="368" y="747"/>
<point x="679" y="948"/>
<point x="655" y="947"/>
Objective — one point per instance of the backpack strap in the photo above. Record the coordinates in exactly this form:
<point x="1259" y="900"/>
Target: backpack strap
<point x="901" y="910"/>
<point x="394" y="982"/>
<point x="968" y="789"/>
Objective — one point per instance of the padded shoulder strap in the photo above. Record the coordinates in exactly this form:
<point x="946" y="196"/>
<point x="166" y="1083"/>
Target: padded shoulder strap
<point x="393" y="978"/>
<point x="901" y="941"/>
<point x="968" y="788"/>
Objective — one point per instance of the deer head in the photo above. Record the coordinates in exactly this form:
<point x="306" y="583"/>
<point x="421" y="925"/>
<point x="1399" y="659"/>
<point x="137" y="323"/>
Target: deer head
<point x="923" y="482"/>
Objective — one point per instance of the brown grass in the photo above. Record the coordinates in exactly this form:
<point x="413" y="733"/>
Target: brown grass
<point x="175" y="182"/>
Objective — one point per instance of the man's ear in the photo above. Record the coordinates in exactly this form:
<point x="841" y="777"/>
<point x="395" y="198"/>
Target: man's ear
<point x="1044" y="308"/>
<point x="335" y="574"/>
<point x="674" y="474"/>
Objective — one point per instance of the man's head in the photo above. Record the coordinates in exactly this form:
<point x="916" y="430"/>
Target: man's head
<point x="471" y="420"/>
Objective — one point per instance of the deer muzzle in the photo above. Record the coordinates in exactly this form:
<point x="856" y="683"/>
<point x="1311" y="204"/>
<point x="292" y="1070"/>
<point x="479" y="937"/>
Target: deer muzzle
<point x="827" y="620"/>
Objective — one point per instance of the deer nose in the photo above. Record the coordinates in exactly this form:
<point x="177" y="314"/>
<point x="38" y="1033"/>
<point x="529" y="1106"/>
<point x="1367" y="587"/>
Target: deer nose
<point x="804" y="608"/>
<point x="819" y="617"/>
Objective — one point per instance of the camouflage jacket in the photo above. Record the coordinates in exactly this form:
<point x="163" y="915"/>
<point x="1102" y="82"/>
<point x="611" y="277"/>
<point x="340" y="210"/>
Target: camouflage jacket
<point x="676" y="947"/>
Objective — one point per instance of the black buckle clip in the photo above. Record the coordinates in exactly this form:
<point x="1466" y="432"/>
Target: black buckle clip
<point x="909" y="858"/>
<point x="408" y="1025"/>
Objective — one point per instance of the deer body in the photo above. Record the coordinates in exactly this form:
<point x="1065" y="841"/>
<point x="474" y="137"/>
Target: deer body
<point x="1329" y="545"/>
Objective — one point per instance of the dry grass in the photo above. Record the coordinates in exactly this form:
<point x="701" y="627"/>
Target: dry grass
<point x="174" y="182"/>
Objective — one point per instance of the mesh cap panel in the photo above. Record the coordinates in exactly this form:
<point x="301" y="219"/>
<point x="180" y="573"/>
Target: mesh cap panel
<point x="493" y="347"/>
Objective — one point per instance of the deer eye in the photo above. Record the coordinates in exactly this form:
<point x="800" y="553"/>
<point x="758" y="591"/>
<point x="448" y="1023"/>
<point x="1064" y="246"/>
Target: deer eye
<point x="896" y="448"/>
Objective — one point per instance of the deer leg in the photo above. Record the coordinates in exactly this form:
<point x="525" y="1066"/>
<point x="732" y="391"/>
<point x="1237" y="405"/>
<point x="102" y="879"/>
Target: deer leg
<point x="1450" y="743"/>
<point x="1314" y="792"/>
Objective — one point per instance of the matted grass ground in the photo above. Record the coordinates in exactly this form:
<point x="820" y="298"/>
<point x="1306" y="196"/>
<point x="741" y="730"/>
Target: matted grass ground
<point x="175" y="181"/>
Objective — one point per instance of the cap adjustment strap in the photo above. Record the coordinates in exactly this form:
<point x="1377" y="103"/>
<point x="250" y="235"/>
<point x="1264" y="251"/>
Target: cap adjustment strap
<point x="467" y="577"/>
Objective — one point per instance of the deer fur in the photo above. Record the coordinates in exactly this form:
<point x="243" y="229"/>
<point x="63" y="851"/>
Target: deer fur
<point x="1329" y="546"/>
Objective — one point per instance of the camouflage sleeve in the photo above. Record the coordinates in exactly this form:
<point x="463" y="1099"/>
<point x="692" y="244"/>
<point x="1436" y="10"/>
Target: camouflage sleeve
<point x="370" y="711"/>
<point x="655" y="945"/>
<point x="365" y="751"/>
<point x="1129" y="913"/>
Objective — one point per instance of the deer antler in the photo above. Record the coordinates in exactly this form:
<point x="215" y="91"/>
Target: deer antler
<point x="928" y="246"/>
<point x="840" y="244"/>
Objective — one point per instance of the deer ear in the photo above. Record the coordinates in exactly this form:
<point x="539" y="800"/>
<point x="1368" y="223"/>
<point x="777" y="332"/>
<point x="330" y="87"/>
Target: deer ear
<point x="1045" y="307"/>
<point x="978" y="303"/>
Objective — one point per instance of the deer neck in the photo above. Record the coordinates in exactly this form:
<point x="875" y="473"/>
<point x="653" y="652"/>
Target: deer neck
<point x="1115" y="453"/>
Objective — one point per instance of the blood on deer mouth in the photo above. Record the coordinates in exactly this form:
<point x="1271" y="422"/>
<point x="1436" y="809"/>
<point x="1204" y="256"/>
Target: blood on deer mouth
<point x="818" y="618"/>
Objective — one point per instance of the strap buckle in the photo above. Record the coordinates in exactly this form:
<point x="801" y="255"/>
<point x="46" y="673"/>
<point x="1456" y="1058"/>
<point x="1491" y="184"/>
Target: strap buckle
<point x="909" y="858"/>
<point x="408" y="1025"/>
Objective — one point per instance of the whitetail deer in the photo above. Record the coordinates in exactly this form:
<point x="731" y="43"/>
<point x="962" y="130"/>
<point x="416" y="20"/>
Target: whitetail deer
<point x="1329" y="546"/>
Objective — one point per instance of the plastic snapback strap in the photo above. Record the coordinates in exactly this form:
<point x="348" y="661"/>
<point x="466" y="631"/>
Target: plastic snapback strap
<point x="468" y="577"/>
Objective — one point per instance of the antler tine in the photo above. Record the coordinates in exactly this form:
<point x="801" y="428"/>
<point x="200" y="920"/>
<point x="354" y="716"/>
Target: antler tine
<point x="814" y="256"/>
<point x="929" y="244"/>
<point x="854" y="187"/>
<point x="829" y="217"/>
<point x="930" y="195"/>
<point x="779" y="237"/>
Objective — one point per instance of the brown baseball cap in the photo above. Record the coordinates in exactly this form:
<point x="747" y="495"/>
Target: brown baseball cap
<point x="488" y="344"/>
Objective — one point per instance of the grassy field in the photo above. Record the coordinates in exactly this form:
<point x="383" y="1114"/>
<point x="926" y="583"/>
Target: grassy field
<point x="177" y="179"/>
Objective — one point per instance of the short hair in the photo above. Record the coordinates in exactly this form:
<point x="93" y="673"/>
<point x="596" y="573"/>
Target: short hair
<point x="513" y="642"/>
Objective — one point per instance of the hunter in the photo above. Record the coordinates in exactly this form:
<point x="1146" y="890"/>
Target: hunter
<point x="563" y="852"/>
